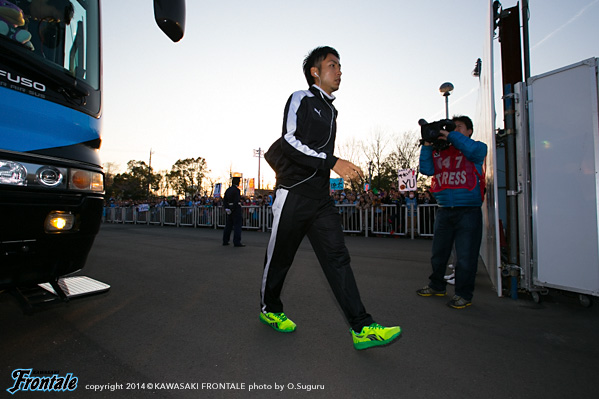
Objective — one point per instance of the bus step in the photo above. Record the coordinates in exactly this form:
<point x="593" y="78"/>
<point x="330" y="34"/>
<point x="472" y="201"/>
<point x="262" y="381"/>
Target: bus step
<point x="46" y="294"/>
<point x="76" y="286"/>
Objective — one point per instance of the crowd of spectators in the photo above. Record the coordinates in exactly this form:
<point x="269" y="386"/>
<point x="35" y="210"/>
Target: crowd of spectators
<point x="173" y="201"/>
<point x="374" y="198"/>
<point x="362" y="200"/>
<point x="351" y="203"/>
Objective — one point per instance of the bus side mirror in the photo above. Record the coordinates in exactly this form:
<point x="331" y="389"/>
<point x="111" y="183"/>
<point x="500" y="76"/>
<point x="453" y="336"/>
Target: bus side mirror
<point x="170" y="17"/>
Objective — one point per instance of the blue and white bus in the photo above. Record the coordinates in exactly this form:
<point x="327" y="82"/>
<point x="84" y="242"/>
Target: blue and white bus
<point x="51" y="178"/>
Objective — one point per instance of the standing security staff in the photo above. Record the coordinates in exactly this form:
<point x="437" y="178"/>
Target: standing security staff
<point x="232" y="205"/>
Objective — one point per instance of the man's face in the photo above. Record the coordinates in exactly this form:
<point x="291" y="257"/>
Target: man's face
<point x="329" y="75"/>
<point x="461" y="127"/>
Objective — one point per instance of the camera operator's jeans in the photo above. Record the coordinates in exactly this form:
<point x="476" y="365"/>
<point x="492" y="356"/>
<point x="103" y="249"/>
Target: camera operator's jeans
<point x="464" y="226"/>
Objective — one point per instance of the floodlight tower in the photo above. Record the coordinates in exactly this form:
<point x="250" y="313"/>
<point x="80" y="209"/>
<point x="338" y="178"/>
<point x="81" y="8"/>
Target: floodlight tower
<point x="260" y="154"/>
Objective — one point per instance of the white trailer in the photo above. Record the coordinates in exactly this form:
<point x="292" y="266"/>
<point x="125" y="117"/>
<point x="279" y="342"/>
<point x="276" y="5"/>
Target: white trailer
<point x="557" y="117"/>
<point x="542" y="201"/>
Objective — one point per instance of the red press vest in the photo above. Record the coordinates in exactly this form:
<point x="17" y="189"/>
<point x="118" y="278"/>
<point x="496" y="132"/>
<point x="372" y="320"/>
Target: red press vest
<point x="453" y="170"/>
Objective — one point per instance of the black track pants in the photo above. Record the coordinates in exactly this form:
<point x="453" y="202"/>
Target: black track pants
<point x="295" y="216"/>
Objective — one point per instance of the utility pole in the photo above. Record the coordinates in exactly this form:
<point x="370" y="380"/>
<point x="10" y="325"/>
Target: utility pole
<point x="149" y="174"/>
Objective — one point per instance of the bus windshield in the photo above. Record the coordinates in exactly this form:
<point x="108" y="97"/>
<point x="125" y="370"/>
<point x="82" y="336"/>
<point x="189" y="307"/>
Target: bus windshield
<point x="52" y="34"/>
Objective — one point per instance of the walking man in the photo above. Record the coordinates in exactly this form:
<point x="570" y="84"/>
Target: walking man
<point x="302" y="159"/>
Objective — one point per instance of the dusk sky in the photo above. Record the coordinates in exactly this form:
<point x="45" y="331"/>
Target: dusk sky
<point x="220" y="92"/>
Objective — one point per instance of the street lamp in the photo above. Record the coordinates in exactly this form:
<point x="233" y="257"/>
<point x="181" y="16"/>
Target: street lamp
<point x="259" y="153"/>
<point x="446" y="89"/>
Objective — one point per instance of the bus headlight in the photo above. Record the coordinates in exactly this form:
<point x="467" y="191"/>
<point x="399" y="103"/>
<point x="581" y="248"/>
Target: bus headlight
<point x="12" y="173"/>
<point x="49" y="176"/>
<point x="57" y="221"/>
<point x="86" y="180"/>
<point x="54" y="177"/>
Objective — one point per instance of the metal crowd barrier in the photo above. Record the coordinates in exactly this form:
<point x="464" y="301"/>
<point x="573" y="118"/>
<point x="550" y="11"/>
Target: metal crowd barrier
<point x="380" y="220"/>
<point x="204" y="216"/>
<point x="155" y="215"/>
<point x="352" y="218"/>
<point x="186" y="216"/>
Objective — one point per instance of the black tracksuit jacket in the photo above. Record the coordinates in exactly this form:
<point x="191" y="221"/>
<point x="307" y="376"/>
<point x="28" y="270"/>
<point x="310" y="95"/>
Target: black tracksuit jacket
<point x="303" y="157"/>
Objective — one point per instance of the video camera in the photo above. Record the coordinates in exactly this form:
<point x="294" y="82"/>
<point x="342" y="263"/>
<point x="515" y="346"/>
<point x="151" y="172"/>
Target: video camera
<point x="430" y="132"/>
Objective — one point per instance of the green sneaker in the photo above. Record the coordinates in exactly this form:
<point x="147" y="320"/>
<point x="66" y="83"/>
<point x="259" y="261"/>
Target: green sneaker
<point x="278" y="321"/>
<point x="375" y="335"/>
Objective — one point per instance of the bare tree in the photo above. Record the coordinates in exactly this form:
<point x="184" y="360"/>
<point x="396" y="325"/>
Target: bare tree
<point x="209" y="184"/>
<point x="407" y="150"/>
<point x="406" y="155"/>
<point x="374" y="152"/>
<point x="349" y="150"/>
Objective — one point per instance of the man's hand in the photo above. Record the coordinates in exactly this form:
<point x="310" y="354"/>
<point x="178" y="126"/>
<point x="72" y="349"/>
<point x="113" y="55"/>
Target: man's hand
<point x="442" y="136"/>
<point x="347" y="170"/>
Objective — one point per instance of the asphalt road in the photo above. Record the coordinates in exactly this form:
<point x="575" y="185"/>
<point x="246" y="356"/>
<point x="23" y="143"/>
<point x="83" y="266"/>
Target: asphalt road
<point x="182" y="309"/>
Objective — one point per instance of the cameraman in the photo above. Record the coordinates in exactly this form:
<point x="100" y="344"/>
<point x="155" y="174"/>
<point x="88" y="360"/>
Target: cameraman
<point x="455" y="162"/>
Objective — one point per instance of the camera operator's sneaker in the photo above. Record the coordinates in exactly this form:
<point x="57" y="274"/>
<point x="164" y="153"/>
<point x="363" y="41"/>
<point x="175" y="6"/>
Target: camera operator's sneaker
<point x="457" y="302"/>
<point x="278" y="321"/>
<point x="428" y="291"/>
<point x="375" y="335"/>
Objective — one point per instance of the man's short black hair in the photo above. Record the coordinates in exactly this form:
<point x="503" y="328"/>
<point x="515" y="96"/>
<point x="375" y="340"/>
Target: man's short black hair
<point x="236" y="181"/>
<point x="465" y="120"/>
<point x="314" y="59"/>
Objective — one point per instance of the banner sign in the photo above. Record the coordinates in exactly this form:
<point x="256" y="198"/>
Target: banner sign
<point x="251" y="188"/>
<point x="406" y="179"/>
<point x="336" y="184"/>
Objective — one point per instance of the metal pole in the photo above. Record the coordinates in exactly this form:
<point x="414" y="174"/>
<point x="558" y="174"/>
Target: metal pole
<point x="512" y="187"/>
<point x="412" y="220"/>
<point x="525" y="40"/>
<point x="511" y="62"/>
<point x="258" y="153"/>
